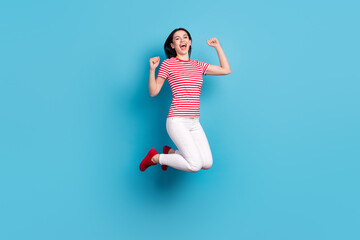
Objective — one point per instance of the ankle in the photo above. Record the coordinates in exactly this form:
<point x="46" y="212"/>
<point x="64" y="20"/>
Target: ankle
<point x="155" y="159"/>
<point x="171" y="151"/>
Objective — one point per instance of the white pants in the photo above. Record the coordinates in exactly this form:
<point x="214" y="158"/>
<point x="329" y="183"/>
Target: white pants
<point x="193" y="151"/>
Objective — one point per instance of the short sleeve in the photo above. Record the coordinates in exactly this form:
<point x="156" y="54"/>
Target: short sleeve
<point x="203" y="66"/>
<point x="164" y="70"/>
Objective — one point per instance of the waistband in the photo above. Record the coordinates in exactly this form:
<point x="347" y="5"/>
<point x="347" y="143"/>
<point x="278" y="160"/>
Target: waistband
<point x="182" y="117"/>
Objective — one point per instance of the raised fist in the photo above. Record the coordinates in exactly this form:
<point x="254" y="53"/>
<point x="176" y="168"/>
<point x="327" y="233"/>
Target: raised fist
<point x="213" y="42"/>
<point x="154" y="62"/>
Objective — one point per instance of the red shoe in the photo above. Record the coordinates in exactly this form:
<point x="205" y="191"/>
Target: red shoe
<point x="146" y="162"/>
<point x="166" y="150"/>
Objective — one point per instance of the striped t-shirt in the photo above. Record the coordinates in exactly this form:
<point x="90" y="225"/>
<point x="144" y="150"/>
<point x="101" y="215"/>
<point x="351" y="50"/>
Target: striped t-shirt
<point x="185" y="79"/>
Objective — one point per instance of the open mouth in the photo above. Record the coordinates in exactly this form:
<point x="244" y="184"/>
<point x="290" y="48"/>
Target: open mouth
<point x="183" y="46"/>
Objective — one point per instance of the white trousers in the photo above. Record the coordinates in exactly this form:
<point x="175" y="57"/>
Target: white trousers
<point x="193" y="151"/>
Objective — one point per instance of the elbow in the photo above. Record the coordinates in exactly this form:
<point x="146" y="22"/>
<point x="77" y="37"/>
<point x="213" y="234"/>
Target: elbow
<point x="153" y="94"/>
<point x="225" y="70"/>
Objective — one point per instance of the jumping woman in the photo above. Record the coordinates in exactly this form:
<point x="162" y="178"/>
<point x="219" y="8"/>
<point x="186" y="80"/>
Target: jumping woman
<point x="182" y="124"/>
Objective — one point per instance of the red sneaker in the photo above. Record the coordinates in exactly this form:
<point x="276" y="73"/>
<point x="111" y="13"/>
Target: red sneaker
<point x="166" y="150"/>
<point x="146" y="162"/>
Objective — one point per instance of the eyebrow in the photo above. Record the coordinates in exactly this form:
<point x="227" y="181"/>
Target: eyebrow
<point x="179" y="36"/>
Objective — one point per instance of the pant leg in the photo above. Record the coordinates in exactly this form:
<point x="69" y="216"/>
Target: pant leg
<point x="202" y="144"/>
<point x="189" y="158"/>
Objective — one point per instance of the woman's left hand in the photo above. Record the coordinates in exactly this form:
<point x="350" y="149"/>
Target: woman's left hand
<point x="213" y="42"/>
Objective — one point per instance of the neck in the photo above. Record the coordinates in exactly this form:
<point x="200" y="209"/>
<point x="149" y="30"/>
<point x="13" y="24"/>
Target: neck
<point x="183" y="57"/>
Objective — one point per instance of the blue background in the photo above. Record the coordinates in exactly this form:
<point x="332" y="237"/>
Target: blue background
<point x="77" y="119"/>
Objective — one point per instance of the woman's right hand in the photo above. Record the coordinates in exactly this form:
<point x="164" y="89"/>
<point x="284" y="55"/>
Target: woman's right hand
<point x="154" y="62"/>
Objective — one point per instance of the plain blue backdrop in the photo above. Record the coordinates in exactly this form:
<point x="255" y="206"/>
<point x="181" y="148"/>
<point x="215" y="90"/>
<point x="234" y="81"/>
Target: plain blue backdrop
<point x="77" y="119"/>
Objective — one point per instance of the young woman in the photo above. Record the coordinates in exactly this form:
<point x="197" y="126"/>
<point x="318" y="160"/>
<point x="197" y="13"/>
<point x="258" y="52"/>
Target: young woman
<point x="182" y="123"/>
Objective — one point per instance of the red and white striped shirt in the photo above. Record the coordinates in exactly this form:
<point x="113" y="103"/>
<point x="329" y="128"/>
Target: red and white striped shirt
<point x="185" y="79"/>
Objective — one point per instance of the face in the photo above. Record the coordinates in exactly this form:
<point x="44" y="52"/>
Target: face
<point x="181" y="42"/>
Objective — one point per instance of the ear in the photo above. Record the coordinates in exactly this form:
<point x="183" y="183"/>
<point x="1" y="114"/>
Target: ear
<point x="172" y="45"/>
<point x="190" y="42"/>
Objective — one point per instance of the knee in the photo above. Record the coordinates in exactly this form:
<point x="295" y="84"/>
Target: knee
<point x="194" y="166"/>
<point x="208" y="163"/>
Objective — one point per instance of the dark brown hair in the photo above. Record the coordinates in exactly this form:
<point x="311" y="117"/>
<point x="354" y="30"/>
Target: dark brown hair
<point x="169" y="51"/>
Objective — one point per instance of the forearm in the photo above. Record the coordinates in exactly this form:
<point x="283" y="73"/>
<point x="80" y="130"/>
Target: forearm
<point x="152" y="82"/>
<point x="222" y="58"/>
